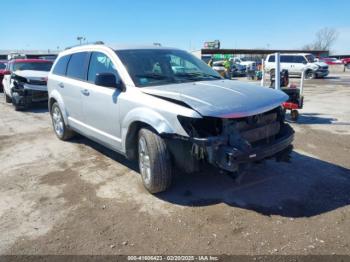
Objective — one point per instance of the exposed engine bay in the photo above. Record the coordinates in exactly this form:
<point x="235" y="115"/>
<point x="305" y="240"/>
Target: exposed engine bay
<point x="231" y="143"/>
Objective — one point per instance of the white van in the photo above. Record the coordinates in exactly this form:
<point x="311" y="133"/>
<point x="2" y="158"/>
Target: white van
<point x="297" y="63"/>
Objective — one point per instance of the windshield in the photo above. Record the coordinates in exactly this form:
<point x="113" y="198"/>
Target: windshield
<point x="2" y="65"/>
<point x="36" y="66"/>
<point x="149" y="67"/>
<point x="310" y="58"/>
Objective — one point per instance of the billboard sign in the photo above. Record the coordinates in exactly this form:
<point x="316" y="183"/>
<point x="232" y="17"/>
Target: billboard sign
<point x="212" y="45"/>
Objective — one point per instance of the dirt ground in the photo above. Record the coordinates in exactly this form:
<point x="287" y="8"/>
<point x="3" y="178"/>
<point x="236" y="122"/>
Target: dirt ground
<point x="80" y="198"/>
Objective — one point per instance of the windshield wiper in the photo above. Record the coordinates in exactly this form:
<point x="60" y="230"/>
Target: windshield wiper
<point x="155" y="76"/>
<point x="197" y="74"/>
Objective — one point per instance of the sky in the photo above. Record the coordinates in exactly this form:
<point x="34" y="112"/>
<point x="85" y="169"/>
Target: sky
<point x="186" y="24"/>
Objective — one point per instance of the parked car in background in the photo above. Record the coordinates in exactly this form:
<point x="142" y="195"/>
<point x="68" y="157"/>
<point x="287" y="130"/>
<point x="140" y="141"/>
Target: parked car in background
<point x="219" y="67"/>
<point x="296" y="64"/>
<point x="235" y="70"/>
<point x="25" y="82"/>
<point x="346" y="62"/>
<point x="330" y="61"/>
<point x="3" y="64"/>
<point x="244" y="61"/>
<point x="49" y="57"/>
<point x="15" y="55"/>
<point x="238" y="70"/>
<point x="164" y="107"/>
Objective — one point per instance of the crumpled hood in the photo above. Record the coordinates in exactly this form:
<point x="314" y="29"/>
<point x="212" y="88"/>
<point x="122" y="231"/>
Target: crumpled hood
<point x="221" y="98"/>
<point x="32" y="74"/>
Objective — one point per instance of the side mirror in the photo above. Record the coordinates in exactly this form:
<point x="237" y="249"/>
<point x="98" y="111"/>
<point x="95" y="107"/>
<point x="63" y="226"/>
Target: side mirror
<point x="108" y="80"/>
<point x="304" y="62"/>
<point x="7" y="72"/>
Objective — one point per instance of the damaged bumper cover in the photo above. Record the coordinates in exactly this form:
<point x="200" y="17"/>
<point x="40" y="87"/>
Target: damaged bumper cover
<point x="218" y="151"/>
<point x="23" y="95"/>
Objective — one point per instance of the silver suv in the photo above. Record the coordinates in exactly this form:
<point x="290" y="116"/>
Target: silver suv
<point x="164" y="107"/>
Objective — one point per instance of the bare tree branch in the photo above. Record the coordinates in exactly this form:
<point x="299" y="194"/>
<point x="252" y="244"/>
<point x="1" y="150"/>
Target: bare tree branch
<point x="324" y="40"/>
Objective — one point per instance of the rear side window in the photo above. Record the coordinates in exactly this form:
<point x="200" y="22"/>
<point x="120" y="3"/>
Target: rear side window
<point x="286" y="59"/>
<point x="100" y="63"/>
<point x="76" y="66"/>
<point x="61" y="66"/>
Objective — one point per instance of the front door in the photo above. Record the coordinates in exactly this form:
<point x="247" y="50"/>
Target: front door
<point x="299" y="64"/>
<point x="100" y="104"/>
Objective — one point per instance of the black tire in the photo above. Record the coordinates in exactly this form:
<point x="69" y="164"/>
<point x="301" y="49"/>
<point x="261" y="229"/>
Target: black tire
<point x="154" y="161"/>
<point x="65" y="133"/>
<point x="348" y="66"/>
<point x="7" y="98"/>
<point x="18" y="108"/>
<point x="294" y="115"/>
<point x="310" y="74"/>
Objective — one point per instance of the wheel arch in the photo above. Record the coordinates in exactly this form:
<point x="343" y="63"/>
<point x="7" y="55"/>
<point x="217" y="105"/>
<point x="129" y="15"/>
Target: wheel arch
<point x="56" y="97"/>
<point x="141" y="118"/>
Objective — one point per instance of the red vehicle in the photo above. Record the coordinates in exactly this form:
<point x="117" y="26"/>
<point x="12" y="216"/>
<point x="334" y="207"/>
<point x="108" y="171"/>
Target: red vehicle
<point x="3" y="64"/>
<point x="25" y="80"/>
<point x="330" y="61"/>
<point x="346" y="62"/>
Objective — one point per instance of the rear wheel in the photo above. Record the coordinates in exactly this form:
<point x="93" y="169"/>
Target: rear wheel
<point x="60" y="128"/>
<point x="154" y="161"/>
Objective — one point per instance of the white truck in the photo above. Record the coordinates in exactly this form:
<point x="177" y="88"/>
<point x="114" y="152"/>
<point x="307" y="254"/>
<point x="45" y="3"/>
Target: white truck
<point x="296" y="64"/>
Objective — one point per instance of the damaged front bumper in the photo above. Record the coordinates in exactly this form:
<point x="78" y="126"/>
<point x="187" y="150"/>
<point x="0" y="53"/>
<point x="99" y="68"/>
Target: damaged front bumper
<point x="217" y="150"/>
<point x="24" y="95"/>
<point x="230" y="158"/>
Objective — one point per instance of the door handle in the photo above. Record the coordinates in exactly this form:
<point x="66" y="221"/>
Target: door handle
<point x="61" y="85"/>
<point x="85" y="92"/>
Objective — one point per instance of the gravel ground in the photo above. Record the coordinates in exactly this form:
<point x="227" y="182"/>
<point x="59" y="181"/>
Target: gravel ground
<point x="80" y="198"/>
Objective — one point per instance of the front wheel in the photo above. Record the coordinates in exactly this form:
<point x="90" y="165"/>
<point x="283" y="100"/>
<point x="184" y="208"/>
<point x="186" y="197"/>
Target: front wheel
<point x="310" y="75"/>
<point x="60" y="128"/>
<point x="294" y="114"/>
<point x="154" y="161"/>
<point x="7" y="98"/>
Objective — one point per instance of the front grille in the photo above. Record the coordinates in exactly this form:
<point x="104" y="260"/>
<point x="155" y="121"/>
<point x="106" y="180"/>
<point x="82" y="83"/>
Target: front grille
<point x="37" y="82"/>
<point x="38" y="95"/>
<point x="257" y="128"/>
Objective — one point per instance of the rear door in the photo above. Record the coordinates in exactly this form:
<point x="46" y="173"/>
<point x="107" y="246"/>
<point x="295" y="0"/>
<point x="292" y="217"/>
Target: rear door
<point x="286" y="62"/>
<point x="71" y="88"/>
<point x="100" y="104"/>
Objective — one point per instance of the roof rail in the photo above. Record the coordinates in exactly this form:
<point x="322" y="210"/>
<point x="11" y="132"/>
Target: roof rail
<point x="90" y="43"/>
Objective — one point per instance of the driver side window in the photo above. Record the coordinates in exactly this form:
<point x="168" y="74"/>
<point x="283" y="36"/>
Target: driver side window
<point x="100" y="63"/>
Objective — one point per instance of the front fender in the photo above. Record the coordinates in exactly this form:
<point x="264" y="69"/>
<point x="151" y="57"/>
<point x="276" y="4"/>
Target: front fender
<point x="54" y="94"/>
<point x="147" y="116"/>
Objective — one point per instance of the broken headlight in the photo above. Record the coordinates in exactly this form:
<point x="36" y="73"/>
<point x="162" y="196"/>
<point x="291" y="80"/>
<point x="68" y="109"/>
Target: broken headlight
<point x="201" y="127"/>
<point x="18" y="81"/>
